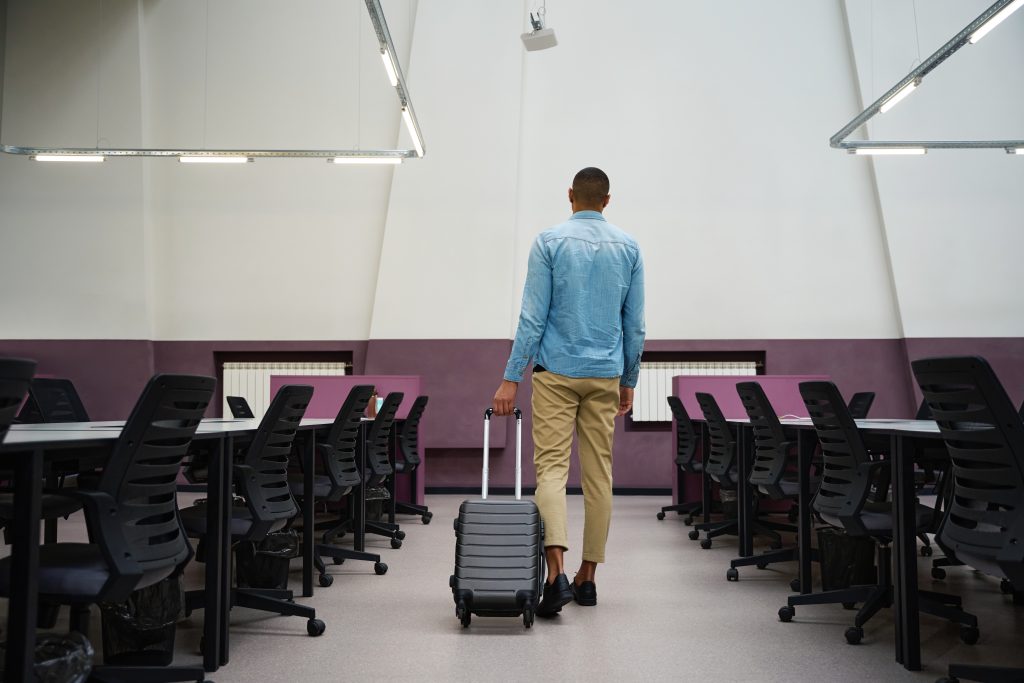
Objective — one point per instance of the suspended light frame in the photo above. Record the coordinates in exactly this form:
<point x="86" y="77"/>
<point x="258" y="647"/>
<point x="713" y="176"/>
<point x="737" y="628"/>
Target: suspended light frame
<point x="906" y="85"/>
<point x="385" y="156"/>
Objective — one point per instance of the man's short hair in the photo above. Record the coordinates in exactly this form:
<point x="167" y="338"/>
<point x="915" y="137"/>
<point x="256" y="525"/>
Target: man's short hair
<point x="590" y="186"/>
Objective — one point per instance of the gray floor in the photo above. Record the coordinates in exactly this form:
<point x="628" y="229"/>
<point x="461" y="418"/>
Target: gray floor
<point x="665" y="612"/>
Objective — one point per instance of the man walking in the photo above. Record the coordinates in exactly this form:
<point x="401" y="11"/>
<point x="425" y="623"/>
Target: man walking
<point x="582" y="322"/>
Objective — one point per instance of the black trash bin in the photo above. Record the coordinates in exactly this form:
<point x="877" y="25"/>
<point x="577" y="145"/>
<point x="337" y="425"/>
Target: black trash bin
<point x="140" y="631"/>
<point x="265" y="564"/>
<point x="845" y="560"/>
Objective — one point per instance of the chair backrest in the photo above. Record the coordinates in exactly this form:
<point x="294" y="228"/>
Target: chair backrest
<point x="860" y="404"/>
<point x="142" y="472"/>
<point x="53" y="400"/>
<point x="985" y="439"/>
<point x="267" y="493"/>
<point x="409" y="436"/>
<point x="771" y="448"/>
<point x="844" y="484"/>
<point x="239" y="408"/>
<point x="15" y="376"/>
<point x="923" y="411"/>
<point x="339" y="448"/>
<point x="379" y="435"/>
<point x="720" y="454"/>
<point x="686" y="436"/>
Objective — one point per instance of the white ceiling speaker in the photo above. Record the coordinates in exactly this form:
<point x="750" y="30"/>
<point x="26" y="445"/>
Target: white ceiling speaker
<point x="539" y="38"/>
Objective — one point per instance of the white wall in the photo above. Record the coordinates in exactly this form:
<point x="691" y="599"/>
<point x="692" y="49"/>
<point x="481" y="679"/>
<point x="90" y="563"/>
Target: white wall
<point x="953" y="218"/>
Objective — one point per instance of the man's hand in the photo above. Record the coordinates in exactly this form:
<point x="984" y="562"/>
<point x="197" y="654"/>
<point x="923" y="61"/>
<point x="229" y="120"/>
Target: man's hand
<point x="625" y="401"/>
<point x="505" y="398"/>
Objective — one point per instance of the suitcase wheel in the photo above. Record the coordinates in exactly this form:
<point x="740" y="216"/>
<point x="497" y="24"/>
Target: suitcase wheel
<point x="463" y="614"/>
<point x="528" y="617"/>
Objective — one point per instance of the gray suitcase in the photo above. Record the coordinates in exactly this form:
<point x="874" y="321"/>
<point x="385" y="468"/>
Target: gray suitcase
<point x="499" y="549"/>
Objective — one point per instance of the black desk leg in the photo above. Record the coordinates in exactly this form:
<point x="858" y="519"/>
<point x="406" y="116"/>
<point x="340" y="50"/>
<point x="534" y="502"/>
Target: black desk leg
<point x="50" y="525"/>
<point x="359" y="514"/>
<point x="705" y="493"/>
<point x="904" y="543"/>
<point x="227" y="494"/>
<point x="308" y="514"/>
<point x="23" y="604"/>
<point x="215" y="513"/>
<point x="805" y="442"/>
<point x="392" y="459"/>
<point x="744" y="516"/>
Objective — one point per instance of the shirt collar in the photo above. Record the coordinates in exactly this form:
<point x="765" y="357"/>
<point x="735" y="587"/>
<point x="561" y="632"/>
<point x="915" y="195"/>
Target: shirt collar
<point x="591" y="215"/>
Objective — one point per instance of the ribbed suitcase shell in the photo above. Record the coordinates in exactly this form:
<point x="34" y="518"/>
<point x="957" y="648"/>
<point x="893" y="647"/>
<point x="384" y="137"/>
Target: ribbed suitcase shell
<point x="498" y="566"/>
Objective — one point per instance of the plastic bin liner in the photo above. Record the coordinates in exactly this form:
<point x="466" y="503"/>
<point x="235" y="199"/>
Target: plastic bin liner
<point x="59" y="658"/>
<point x="140" y="631"/>
<point x="265" y="564"/>
<point x="845" y="560"/>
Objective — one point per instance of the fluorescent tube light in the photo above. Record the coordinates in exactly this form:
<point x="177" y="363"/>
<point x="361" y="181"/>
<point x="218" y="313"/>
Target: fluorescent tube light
<point x="212" y="159"/>
<point x="389" y="66"/>
<point x="393" y="161"/>
<point x="407" y="117"/>
<point x="1015" y="150"/>
<point x="80" y="158"/>
<point x="996" y="19"/>
<point x="900" y="94"/>
<point x="888" y="151"/>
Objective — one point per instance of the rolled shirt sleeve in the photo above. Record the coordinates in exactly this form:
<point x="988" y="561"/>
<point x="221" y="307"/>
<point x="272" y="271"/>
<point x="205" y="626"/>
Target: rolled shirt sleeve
<point x="534" y="314"/>
<point x="633" y="327"/>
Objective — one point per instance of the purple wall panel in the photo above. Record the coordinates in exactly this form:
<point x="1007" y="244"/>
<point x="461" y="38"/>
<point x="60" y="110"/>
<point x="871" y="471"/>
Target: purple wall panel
<point x="1004" y="354"/>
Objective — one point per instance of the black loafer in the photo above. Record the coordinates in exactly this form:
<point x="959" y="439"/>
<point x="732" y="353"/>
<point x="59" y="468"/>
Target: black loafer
<point x="556" y="595"/>
<point x="585" y="593"/>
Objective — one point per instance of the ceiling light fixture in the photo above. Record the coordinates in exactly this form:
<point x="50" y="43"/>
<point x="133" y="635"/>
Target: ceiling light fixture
<point x="996" y="19"/>
<point x="411" y="126"/>
<point x="888" y="151"/>
<point x="389" y="66"/>
<point x="1015" y="150"/>
<point x="75" y="158"/>
<point x="900" y="94"/>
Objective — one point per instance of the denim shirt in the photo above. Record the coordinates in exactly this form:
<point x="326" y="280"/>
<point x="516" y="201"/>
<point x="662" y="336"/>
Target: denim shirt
<point x="583" y="304"/>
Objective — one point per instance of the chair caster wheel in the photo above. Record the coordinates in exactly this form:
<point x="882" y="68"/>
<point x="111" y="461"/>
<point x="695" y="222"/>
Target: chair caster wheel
<point x="426" y="518"/>
<point x="661" y="515"/>
<point x="339" y="560"/>
<point x="1005" y="587"/>
<point x="528" y="617"/>
<point x="688" y="521"/>
<point x="969" y="635"/>
<point x="786" y="613"/>
<point x="762" y="565"/>
<point x="938" y="573"/>
<point x="326" y="580"/>
<point x="395" y="543"/>
<point x="732" y="574"/>
<point x="706" y="543"/>
<point x="926" y="551"/>
<point x="380" y="568"/>
<point x="315" y="627"/>
<point x="854" y="635"/>
<point x="849" y="605"/>
<point x="794" y="585"/>
<point x="694" y="534"/>
<point x="400" y="535"/>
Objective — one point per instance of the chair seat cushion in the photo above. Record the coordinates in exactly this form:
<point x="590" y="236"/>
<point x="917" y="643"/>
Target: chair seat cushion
<point x="194" y="520"/>
<point x="877" y="519"/>
<point x="53" y="506"/>
<point x="321" y="485"/>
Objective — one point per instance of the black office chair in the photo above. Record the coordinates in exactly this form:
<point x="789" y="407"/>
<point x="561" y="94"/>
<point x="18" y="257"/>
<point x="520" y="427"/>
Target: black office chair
<point x="53" y="400"/>
<point x="340" y="475"/>
<point x="239" y="408"/>
<point x="685" y="459"/>
<point x="379" y="469"/>
<point x="860" y="404"/>
<point x="135" y="535"/>
<point x="985" y="439"/>
<point x="262" y="481"/>
<point x="772" y="472"/>
<point x="15" y="378"/>
<point x="843" y="502"/>
<point x="409" y="462"/>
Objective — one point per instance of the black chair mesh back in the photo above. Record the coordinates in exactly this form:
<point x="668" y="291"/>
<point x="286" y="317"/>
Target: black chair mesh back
<point x="771" y="448"/>
<point x="409" y="436"/>
<point x="378" y="436"/>
<point x="53" y="400"/>
<point x="844" y="485"/>
<point x="268" y="495"/>
<point x="984" y="435"/>
<point x="686" y="435"/>
<point x="721" y="452"/>
<point x="923" y="411"/>
<point x="343" y="439"/>
<point x="142" y="472"/>
<point x="860" y="404"/>
<point x="239" y="408"/>
<point x="15" y="376"/>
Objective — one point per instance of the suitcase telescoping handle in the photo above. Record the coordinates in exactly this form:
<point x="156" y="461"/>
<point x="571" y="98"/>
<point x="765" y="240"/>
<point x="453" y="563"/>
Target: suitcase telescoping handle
<point x="519" y="451"/>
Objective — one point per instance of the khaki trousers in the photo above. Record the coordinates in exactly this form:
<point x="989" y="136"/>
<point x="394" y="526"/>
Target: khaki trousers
<point x="561" y="404"/>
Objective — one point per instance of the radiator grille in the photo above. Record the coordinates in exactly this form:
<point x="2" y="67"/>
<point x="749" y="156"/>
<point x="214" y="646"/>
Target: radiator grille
<point x="252" y="380"/>
<point x="655" y="384"/>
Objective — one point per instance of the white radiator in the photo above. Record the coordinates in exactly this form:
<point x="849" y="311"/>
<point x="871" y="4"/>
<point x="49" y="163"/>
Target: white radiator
<point x="655" y="384"/>
<point x="252" y="380"/>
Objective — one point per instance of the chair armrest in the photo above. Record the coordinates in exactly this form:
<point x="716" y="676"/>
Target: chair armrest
<point x="105" y="530"/>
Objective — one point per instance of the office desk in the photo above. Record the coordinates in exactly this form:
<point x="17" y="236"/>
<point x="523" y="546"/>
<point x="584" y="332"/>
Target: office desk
<point x="901" y="434"/>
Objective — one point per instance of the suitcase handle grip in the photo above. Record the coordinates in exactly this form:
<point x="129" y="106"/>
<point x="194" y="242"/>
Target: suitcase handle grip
<point x="487" y="452"/>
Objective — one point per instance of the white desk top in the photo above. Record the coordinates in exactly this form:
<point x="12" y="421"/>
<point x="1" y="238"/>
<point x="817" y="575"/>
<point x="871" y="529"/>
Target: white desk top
<point x="884" y="425"/>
